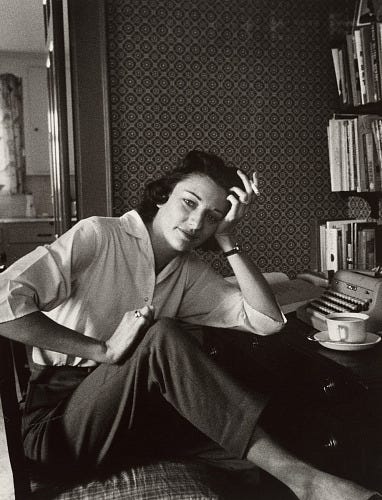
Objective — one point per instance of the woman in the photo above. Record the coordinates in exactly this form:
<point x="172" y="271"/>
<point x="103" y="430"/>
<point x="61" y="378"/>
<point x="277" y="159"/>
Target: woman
<point x="114" y="374"/>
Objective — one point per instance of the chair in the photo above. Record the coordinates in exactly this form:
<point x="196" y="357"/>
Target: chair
<point x="12" y="420"/>
<point x="157" y="480"/>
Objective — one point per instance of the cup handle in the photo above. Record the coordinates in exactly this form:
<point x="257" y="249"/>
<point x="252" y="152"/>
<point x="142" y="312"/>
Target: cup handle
<point x="342" y="330"/>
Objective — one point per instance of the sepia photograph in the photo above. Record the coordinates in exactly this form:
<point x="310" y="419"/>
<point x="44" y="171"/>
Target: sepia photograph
<point x="190" y="249"/>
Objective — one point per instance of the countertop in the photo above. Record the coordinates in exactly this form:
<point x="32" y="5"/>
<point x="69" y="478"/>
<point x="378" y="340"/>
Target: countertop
<point x="10" y="220"/>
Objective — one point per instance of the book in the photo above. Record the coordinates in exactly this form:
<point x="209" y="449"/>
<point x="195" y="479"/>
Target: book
<point x="370" y="248"/>
<point x="366" y="12"/>
<point x="366" y="44"/>
<point x="361" y="64"/>
<point x="344" y="163"/>
<point x="376" y="127"/>
<point x="366" y="248"/>
<point x="378" y="28"/>
<point x="353" y="140"/>
<point x="353" y="70"/>
<point x="365" y="236"/>
<point x="368" y="156"/>
<point x="332" y="249"/>
<point x="375" y="66"/>
<point x="344" y="250"/>
<point x="337" y="71"/>
<point x="323" y="247"/>
<point x="335" y="147"/>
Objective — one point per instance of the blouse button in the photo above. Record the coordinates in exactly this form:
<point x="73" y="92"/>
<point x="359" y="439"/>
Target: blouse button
<point x="146" y="299"/>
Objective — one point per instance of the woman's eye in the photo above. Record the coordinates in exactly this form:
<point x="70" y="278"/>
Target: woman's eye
<point x="213" y="220"/>
<point x="188" y="202"/>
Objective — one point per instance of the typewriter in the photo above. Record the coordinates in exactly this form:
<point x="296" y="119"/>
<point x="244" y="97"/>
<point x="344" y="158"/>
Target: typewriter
<point x="349" y="291"/>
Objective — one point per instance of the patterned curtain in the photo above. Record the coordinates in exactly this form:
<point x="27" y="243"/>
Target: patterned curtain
<point x="12" y="162"/>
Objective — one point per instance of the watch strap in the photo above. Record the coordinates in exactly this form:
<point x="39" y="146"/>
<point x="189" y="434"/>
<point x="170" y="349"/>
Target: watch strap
<point x="235" y="249"/>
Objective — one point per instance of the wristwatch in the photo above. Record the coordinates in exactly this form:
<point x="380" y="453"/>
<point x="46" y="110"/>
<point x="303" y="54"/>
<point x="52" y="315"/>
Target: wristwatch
<point x="235" y="249"/>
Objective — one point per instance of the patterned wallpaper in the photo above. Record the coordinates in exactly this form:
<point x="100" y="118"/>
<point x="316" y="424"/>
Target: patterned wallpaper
<point x="250" y="80"/>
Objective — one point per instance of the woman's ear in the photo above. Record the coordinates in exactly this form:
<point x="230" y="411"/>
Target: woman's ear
<point x="163" y="198"/>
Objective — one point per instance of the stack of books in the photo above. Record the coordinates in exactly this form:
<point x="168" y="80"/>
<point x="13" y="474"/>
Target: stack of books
<point x="358" y="62"/>
<point x="355" y="152"/>
<point x="348" y="244"/>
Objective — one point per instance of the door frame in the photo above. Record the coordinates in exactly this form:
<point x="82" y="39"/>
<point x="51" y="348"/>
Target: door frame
<point x="90" y="98"/>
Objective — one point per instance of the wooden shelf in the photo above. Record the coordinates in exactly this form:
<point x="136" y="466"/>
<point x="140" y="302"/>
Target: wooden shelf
<point x="372" y="108"/>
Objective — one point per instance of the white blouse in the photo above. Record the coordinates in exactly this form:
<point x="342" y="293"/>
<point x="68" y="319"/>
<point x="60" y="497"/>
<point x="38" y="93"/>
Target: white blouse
<point x="104" y="266"/>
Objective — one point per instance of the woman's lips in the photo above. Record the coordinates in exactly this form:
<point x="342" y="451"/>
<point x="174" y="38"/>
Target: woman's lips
<point x="188" y="236"/>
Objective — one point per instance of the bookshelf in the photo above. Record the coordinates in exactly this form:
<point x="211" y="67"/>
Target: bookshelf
<point x="355" y="144"/>
<point x="346" y="244"/>
<point x="355" y="129"/>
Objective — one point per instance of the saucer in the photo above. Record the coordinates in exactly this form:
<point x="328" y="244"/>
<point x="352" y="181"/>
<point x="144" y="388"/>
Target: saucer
<point x="371" y="340"/>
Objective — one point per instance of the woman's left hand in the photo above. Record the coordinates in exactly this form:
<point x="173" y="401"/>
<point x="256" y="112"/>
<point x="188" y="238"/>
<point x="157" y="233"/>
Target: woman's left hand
<point x="239" y="203"/>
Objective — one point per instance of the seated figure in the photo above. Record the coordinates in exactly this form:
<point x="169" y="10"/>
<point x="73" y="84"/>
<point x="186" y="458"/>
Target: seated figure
<point x="110" y="308"/>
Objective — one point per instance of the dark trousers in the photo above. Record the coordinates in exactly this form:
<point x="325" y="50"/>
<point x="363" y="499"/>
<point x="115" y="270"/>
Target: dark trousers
<point x="168" y="399"/>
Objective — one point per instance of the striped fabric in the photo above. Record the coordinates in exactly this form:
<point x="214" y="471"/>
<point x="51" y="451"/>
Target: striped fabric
<point x="165" y="480"/>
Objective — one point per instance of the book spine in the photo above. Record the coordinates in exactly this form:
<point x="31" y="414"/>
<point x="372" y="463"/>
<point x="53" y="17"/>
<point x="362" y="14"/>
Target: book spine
<point x="354" y="152"/>
<point x="374" y="61"/>
<point x="362" y="130"/>
<point x="370" y="161"/>
<point x="376" y="128"/>
<point x="332" y="249"/>
<point x="367" y="62"/>
<point x="361" y="245"/>
<point x="344" y="156"/>
<point x="361" y="66"/>
<point x="379" y="54"/>
<point x="353" y="70"/>
<point x="323" y="266"/>
<point x="334" y="144"/>
<point x="369" y="248"/>
<point x="337" y="71"/>
<point x="345" y="98"/>
<point x="360" y="175"/>
<point x="350" y="143"/>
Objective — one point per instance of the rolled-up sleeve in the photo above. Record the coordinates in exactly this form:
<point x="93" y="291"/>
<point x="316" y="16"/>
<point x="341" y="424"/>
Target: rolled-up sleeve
<point x="43" y="278"/>
<point x="213" y="301"/>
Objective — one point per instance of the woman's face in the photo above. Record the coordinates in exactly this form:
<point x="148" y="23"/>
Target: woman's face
<point x="191" y="214"/>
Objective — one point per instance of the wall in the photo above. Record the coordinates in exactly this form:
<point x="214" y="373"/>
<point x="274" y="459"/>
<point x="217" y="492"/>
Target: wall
<point x="249" y="80"/>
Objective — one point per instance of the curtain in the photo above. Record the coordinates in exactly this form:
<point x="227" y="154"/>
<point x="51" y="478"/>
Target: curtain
<point x="12" y="160"/>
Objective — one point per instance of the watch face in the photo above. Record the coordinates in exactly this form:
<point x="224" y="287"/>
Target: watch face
<point x="235" y="249"/>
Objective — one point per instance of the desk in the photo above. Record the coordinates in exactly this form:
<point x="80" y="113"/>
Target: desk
<point x="329" y="403"/>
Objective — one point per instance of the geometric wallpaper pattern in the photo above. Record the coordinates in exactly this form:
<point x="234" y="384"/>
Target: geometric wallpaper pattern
<point x="250" y="80"/>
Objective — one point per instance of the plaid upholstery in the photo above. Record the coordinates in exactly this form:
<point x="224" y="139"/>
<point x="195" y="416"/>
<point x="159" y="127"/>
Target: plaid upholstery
<point x="165" y="480"/>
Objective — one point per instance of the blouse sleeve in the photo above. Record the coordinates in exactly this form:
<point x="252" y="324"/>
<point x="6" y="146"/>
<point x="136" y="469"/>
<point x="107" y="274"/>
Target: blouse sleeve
<point x="43" y="279"/>
<point x="213" y="301"/>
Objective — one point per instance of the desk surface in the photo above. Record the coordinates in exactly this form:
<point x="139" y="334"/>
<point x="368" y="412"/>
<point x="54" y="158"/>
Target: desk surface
<point x="365" y="365"/>
<point x="328" y="403"/>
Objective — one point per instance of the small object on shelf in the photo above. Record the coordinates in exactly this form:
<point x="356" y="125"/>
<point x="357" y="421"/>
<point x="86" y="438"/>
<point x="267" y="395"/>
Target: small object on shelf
<point x="30" y="209"/>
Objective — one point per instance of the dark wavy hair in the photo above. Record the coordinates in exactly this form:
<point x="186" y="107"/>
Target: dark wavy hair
<point x="195" y="162"/>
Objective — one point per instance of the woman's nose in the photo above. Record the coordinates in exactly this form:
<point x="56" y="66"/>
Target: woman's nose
<point x="195" y="220"/>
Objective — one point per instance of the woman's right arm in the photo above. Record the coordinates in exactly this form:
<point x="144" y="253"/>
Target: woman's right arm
<point x="41" y="281"/>
<point x="38" y="330"/>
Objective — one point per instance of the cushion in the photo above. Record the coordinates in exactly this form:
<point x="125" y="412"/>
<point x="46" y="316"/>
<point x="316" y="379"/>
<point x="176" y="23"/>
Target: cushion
<point x="164" y="480"/>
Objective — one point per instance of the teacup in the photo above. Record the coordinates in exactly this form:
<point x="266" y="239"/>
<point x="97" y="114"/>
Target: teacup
<point x="347" y="327"/>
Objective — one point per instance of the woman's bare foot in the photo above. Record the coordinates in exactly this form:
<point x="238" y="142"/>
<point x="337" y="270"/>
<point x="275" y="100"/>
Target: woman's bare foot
<point x="305" y="481"/>
<point x="318" y="485"/>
